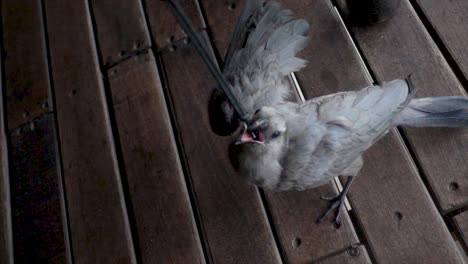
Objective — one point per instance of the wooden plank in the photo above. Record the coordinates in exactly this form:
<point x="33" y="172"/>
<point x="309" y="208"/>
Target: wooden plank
<point x="25" y="61"/>
<point x="167" y="229"/>
<point x="99" y="226"/>
<point x="294" y="213"/>
<point x="35" y="196"/>
<point x="302" y="239"/>
<point x="461" y="223"/>
<point x="6" y="237"/>
<point x="449" y="20"/>
<point x="399" y="218"/>
<point x="165" y="27"/>
<point x="121" y="29"/>
<point x="352" y="255"/>
<point x="405" y="47"/>
<point x="233" y="219"/>
<point x="388" y="175"/>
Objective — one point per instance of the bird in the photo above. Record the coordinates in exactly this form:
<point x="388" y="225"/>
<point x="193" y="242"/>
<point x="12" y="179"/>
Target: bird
<point x="294" y="146"/>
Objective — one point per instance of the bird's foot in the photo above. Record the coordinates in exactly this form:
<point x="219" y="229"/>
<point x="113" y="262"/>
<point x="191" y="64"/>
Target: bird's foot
<point x="335" y="204"/>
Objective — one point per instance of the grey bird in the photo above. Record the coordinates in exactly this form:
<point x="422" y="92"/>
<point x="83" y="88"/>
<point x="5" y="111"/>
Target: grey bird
<point x="297" y="146"/>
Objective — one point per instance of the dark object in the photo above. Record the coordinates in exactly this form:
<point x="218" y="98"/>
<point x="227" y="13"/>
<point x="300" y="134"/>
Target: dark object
<point x="215" y="104"/>
<point x="368" y="12"/>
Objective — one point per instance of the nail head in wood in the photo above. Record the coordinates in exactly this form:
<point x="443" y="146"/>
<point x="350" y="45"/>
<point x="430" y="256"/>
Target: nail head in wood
<point x="398" y="215"/>
<point x="296" y="242"/>
<point x="454" y="186"/>
<point x="353" y="251"/>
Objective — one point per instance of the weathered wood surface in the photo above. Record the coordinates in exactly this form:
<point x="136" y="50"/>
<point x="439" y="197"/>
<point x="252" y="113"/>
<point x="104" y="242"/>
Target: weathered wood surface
<point x="6" y="236"/>
<point x="449" y="19"/>
<point x="163" y="22"/>
<point x="461" y="221"/>
<point x="398" y="216"/>
<point x="234" y="223"/>
<point x="352" y="255"/>
<point x="293" y="213"/>
<point x="166" y="227"/>
<point x="120" y="28"/>
<point x="394" y="50"/>
<point x="330" y="71"/>
<point x="302" y="240"/>
<point x="97" y="213"/>
<point x="25" y="61"/>
<point x="38" y="234"/>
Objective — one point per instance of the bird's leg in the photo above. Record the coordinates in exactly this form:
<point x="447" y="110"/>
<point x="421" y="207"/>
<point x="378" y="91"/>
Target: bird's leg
<point x="336" y="203"/>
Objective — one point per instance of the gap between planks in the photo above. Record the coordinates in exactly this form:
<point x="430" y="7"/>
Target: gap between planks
<point x="457" y="70"/>
<point x="58" y="147"/>
<point x="195" y="210"/>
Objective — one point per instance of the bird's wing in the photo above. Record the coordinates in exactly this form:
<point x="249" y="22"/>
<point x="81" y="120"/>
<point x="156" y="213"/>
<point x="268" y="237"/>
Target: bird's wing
<point x="345" y="125"/>
<point x="366" y="113"/>
<point x="262" y="52"/>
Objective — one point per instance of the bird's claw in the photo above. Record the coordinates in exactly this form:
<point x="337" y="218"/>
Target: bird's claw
<point x="335" y="203"/>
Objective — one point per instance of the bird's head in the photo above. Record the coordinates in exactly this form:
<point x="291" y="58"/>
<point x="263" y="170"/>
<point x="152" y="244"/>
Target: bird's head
<point x="267" y="128"/>
<point x="261" y="144"/>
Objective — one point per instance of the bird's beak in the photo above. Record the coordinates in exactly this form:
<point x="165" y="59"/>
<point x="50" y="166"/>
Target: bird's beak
<point x="248" y="137"/>
<point x="258" y="124"/>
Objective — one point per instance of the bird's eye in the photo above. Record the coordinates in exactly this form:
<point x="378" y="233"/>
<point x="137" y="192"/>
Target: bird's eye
<point x="256" y="112"/>
<point x="276" y="134"/>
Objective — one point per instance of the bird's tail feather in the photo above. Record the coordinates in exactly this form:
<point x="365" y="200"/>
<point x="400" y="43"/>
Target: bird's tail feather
<point x="446" y="111"/>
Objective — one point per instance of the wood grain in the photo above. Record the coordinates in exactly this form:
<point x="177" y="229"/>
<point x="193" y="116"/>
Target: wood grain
<point x="293" y="213"/>
<point x="399" y="218"/>
<point x="233" y="219"/>
<point x="352" y="255"/>
<point x="121" y="29"/>
<point x="294" y="216"/>
<point x="394" y="50"/>
<point x="449" y="19"/>
<point x="165" y="27"/>
<point x="98" y="219"/>
<point x="25" y="61"/>
<point x="461" y="222"/>
<point x="166" y="228"/>
<point x="6" y="236"/>
<point x="38" y="232"/>
<point x="388" y="175"/>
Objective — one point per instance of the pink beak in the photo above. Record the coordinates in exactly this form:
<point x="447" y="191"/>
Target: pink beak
<point x="247" y="137"/>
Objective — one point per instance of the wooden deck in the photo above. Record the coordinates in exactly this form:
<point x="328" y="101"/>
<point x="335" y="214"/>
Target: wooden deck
<point x="106" y="153"/>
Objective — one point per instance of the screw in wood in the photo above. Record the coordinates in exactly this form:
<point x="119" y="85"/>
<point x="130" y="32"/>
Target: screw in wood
<point x="232" y="6"/>
<point x="296" y="242"/>
<point x="398" y="215"/>
<point x="353" y="251"/>
<point x="453" y="186"/>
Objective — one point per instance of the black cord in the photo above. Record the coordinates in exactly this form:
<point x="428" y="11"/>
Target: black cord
<point x="188" y="27"/>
